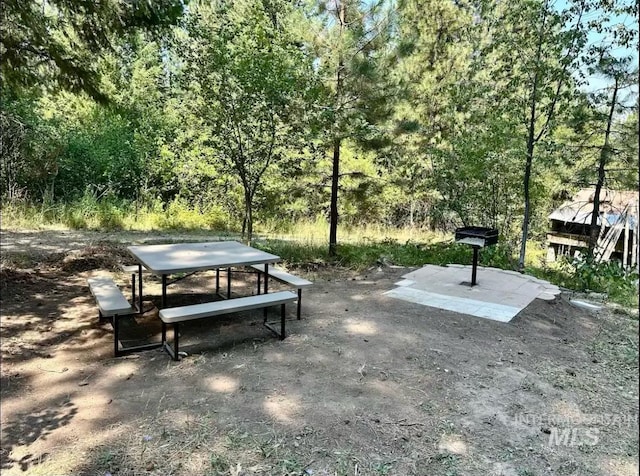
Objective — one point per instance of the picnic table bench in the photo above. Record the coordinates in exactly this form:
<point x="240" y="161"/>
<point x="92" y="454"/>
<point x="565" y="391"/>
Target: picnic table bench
<point x="176" y="315"/>
<point x="112" y="304"/>
<point x="282" y="276"/>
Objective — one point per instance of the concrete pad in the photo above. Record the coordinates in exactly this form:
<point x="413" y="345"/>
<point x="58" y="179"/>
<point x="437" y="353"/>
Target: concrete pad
<point x="473" y="307"/>
<point x="499" y="294"/>
<point x="404" y="282"/>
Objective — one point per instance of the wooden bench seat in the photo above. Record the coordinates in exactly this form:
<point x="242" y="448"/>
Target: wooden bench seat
<point x="176" y="315"/>
<point x="112" y="303"/>
<point x="286" y="278"/>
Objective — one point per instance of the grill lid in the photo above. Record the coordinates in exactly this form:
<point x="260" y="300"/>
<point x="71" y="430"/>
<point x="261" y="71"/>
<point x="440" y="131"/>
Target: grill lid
<point x="477" y="235"/>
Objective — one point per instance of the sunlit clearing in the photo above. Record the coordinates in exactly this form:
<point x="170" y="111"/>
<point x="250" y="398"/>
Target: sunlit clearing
<point x="452" y="444"/>
<point x="615" y="467"/>
<point x="282" y="408"/>
<point x="386" y="387"/>
<point x="567" y="410"/>
<point x="366" y="328"/>
<point x="223" y="384"/>
<point x="274" y="357"/>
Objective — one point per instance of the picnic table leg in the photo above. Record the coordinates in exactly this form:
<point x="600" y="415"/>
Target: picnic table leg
<point x="299" y="302"/>
<point x="116" y="335"/>
<point x="229" y="282"/>
<point x="140" y="286"/>
<point x="175" y="341"/>
<point x="217" y="281"/>
<point x="266" y="284"/>
<point x="259" y="274"/>
<point x="282" y="312"/>
<point x="133" y="290"/>
<point x="164" y="291"/>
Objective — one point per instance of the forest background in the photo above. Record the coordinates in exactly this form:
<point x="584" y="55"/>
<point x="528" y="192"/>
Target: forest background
<point x="408" y="117"/>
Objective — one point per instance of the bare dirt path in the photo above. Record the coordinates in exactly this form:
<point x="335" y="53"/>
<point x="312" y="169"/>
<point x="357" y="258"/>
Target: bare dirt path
<point x="363" y="384"/>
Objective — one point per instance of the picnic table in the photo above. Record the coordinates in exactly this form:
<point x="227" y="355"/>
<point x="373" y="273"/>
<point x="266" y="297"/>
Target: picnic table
<point x="189" y="258"/>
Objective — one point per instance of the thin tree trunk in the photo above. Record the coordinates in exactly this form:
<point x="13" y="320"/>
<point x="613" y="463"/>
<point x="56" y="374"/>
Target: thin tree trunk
<point x="527" y="198"/>
<point x="333" y="223"/>
<point x="247" y="231"/>
<point x="531" y="144"/>
<point x="604" y="158"/>
<point x="412" y="208"/>
<point x="335" y="177"/>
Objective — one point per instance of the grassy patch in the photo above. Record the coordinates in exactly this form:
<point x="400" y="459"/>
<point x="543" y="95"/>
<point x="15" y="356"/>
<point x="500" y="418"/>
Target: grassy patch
<point x="619" y="348"/>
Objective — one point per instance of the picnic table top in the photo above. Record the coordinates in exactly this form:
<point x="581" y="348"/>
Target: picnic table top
<point x="190" y="257"/>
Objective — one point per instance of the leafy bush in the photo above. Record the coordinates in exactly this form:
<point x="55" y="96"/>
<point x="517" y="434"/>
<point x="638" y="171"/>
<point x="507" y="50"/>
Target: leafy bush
<point x="605" y="277"/>
<point x="179" y="215"/>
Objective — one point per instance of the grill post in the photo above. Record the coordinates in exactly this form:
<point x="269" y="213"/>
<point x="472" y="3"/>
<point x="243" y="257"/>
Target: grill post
<point x="474" y="268"/>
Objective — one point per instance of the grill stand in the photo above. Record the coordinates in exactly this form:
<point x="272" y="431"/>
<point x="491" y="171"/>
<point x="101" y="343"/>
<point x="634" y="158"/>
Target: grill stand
<point x="474" y="268"/>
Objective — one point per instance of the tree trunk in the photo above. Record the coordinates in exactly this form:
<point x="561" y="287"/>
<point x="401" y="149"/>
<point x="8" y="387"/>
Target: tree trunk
<point x="412" y="208"/>
<point x="527" y="198"/>
<point x="604" y="157"/>
<point x="247" y="222"/>
<point x="333" y="222"/>
<point x="335" y="177"/>
<point x="531" y="144"/>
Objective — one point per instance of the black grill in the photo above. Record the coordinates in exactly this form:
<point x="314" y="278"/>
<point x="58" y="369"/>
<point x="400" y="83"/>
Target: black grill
<point x="477" y="237"/>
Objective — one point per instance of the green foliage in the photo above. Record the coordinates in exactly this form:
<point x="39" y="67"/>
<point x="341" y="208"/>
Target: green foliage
<point x="605" y="277"/>
<point x="179" y="215"/>
<point x="247" y="78"/>
<point x="30" y="149"/>
<point x="294" y="253"/>
<point x="583" y="274"/>
<point x="55" y="44"/>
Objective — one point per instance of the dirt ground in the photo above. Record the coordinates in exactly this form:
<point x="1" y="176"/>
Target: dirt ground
<point x="363" y="385"/>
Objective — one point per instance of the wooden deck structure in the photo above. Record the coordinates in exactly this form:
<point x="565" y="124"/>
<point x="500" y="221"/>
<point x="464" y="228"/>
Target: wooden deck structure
<point x="618" y="223"/>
